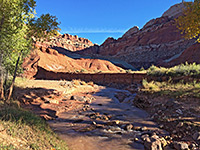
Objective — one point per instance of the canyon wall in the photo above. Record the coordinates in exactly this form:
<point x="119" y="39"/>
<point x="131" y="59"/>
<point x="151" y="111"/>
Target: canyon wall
<point x="159" y="42"/>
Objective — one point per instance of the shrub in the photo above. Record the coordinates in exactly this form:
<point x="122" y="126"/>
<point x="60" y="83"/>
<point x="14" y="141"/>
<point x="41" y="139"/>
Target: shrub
<point x="186" y="69"/>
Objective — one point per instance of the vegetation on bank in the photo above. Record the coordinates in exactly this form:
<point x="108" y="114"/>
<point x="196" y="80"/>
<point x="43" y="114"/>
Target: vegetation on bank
<point x="170" y="86"/>
<point x="20" y="28"/>
<point x="21" y="129"/>
<point x="174" y="90"/>
<point x="192" y="70"/>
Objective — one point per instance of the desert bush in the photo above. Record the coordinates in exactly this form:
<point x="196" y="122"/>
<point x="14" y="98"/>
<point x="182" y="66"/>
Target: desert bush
<point x="128" y="71"/>
<point x="186" y="69"/>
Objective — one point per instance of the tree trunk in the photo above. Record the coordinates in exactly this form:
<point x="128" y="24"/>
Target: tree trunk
<point x="6" y="80"/>
<point x="14" y="77"/>
<point x="2" y="22"/>
<point x="1" y="78"/>
<point x="1" y="64"/>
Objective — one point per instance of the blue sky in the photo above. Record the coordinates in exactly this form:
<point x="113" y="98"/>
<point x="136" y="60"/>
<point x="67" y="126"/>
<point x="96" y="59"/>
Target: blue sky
<point x="100" y="19"/>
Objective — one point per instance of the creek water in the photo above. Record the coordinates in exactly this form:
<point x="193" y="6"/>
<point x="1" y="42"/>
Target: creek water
<point x="77" y="129"/>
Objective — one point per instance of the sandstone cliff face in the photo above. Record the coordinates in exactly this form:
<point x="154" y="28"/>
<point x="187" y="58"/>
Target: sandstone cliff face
<point x="50" y="60"/>
<point x="67" y="41"/>
<point x="157" y="41"/>
<point x="190" y="55"/>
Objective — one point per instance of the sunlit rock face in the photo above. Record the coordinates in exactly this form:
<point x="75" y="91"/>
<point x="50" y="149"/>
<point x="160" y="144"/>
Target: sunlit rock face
<point x="67" y="41"/>
<point x="158" y="41"/>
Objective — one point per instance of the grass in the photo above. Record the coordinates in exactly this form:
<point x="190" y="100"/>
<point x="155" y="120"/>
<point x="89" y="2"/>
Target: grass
<point x="176" y="90"/>
<point x="192" y="70"/>
<point x="21" y="129"/>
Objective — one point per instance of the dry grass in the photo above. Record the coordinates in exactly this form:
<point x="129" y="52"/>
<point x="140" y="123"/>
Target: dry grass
<point x="20" y="129"/>
<point x="176" y="90"/>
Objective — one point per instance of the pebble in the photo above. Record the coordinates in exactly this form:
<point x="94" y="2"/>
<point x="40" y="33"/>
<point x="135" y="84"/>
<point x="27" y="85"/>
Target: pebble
<point x="161" y="126"/>
<point x="193" y="146"/>
<point x="136" y="139"/>
<point x="180" y="124"/>
<point x="128" y="127"/>
<point x="143" y="128"/>
<point x="179" y="111"/>
<point x="196" y="136"/>
<point x="181" y="146"/>
<point x="94" y="123"/>
<point x="1" y="128"/>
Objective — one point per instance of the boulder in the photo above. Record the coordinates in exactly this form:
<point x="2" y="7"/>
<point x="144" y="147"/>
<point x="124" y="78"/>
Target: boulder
<point x="152" y="143"/>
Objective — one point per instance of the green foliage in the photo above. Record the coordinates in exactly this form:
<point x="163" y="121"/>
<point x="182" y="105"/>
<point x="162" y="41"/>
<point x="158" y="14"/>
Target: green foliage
<point x="176" y="90"/>
<point x="43" y="27"/>
<point x="192" y="70"/>
<point x="128" y="71"/>
<point x="18" y="29"/>
<point x="189" y="22"/>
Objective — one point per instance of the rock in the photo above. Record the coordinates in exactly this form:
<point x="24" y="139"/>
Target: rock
<point x="136" y="128"/>
<point x="84" y="109"/>
<point x="181" y="146"/>
<point x="145" y="137"/>
<point x="193" y="146"/>
<point x="172" y="104"/>
<point x="163" y="141"/>
<point x="196" y="136"/>
<point x="131" y="31"/>
<point x="94" y="123"/>
<point x="161" y="126"/>
<point x="113" y="123"/>
<point x="179" y="111"/>
<point x="136" y="139"/>
<point x="47" y="117"/>
<point x="78" y="98"/>
<point x="152" y="143"/>
<point x="1" y="128"/>
<point x="114" y="128"/>
<point x="54" y="101"/>
<point x="144" y="47"/>
<point x="180" y="124"/>
<point x="143" y="128"/>
<point x="175" y="10"/>
<point x="128" y="127"/>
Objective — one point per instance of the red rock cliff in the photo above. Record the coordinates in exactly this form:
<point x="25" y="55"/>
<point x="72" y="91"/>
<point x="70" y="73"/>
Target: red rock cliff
<point x="158" y="41"/>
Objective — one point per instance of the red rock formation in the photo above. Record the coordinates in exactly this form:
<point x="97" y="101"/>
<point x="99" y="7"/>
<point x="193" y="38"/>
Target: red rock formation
<point x="190" y="55"/>
<point x="50" y="60"/>
<point x="157" y="41"/>
<point x="67" y="41"/>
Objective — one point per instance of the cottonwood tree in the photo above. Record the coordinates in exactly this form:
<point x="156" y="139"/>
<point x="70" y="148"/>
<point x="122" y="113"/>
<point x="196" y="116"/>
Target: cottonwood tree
<point x="189" y="23"/>
<point x="18" y="26"/>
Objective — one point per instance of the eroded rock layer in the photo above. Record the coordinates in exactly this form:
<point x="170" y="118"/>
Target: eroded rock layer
<point x="159" y="42"/>
<point x="50" y="60"/>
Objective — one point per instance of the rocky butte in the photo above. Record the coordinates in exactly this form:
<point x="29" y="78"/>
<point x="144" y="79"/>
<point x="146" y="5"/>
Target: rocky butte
<point x="56" y="56"/>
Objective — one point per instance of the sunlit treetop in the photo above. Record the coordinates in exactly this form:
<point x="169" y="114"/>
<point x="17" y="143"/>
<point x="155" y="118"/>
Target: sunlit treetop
<point x="189" y="23"/>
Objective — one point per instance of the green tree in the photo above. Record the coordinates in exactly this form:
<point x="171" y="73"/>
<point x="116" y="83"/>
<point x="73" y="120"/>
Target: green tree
<point x="18" y="28"/>
<point x="189" y="22"/>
